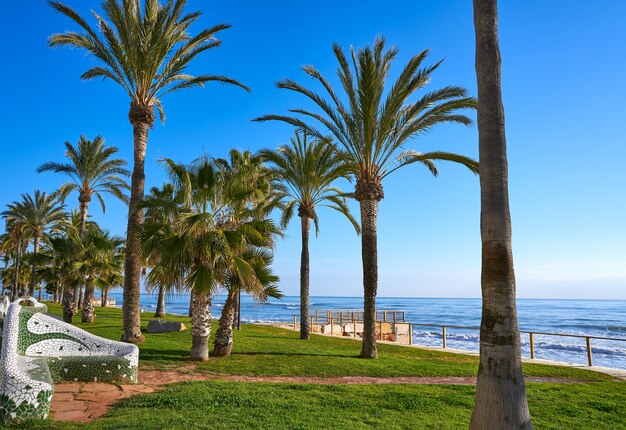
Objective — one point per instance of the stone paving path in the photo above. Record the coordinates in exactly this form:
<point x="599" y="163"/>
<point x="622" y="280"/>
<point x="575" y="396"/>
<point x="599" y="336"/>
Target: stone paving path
<point x="87" y="401"/>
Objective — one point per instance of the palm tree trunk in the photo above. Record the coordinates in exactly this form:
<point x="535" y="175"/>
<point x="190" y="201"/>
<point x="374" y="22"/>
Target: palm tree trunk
<point x="33" y="272"/>
<point x="200" y="326"/>
<point x="16" y="279"/>
<point x="160" y="310"/>
<point x="68" y="303"/>
<point x="39" y="294"/>
<point x="60" y="295"/>
<point x="305" y="327"/>
<point x="81" y="297"/>
<point x="500" y="390"/>
<point x="88" y="314"/>
<point x="190" y="302"/>
<point x="141" y="117"/>
<point x="224" y="335"/>
<point x="369" y="254"/>
<point x="105" y="298"/>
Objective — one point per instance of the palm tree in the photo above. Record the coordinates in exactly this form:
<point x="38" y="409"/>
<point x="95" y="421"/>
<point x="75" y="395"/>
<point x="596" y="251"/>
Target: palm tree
<point x="91" y="171"/>
<point x="261" y="286"/>
<point x="99" y="256"/>
<point x="501" y="400"/>
<point x="40" y="215"/>
<point x="14" y="244"/>
<point x="147" y="68"/>
<point x="37" y="216"/>
<point x="162" y="206"/>
<point x="207" y="240"/>
<point x="60" y="255"/>
<point x="307" y="172"/>
<point x="373" y="129"/>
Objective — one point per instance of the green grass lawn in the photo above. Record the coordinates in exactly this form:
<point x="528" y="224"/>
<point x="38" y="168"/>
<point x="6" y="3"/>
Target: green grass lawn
<point x="598" y="403"/>
<point x="236" y="405"/>
<point x="270" y="351"/>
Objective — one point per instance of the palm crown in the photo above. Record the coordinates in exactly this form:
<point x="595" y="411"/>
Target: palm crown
<point x="305" y="172"/>
<point x="91" y="170"/>
<point x="373" y="124"/>
<point x="145" y="49"/>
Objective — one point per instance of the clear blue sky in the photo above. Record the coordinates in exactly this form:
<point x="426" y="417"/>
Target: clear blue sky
<point x="564" y="65"/>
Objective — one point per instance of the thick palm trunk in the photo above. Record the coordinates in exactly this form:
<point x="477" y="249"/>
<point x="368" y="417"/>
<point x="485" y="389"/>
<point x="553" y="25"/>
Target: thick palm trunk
<point x="141" y="117"/>
<point x="88" y="314"/>
<point x="60" y="295"/>
<point x="369" y="254"/>
<point x="190" y="302"/>
<point x="39" y="294"/>
<point x="160" y="310"/>
<point x="501" y="401"/>
<point x="33" y="272"/>
<point x="200" y="326"/>
<point x="224" y="335"/>
<point x="68" y="305"/>
<point x="305" y="325"/>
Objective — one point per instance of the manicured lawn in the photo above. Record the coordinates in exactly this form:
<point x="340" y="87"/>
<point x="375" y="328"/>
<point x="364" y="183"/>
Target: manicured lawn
<point x="599" y="403"/>
<point x="236" y="405"/>
<point x="269" y="351"/>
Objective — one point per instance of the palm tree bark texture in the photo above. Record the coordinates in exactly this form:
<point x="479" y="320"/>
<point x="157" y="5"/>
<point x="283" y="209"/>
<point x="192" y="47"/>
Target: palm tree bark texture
<point x="224" y="334"/>
<point x="305" y="325"/>
<point x="368" y="194"/>
<point x="142" y="118"/>
<point x="501" y="401"/>
<point x="200" y="326"/>
<point x="160" y="310"/>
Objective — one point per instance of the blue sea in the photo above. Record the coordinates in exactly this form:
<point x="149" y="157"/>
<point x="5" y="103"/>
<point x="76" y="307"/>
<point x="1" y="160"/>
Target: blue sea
<point x="605" y="318"/>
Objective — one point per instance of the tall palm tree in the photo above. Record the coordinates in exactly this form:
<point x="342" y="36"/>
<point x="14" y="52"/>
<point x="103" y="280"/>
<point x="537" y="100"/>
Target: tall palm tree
<point x="307" y="172"/>
<point x="37" y="215"/>
<point x="145" y="50"/>
<point x="501" y="400"/>
<point x="261" y="286"/>
<point x="91" y="170"/>
<point x="373" y="124"/>
<point x="40" y="215"/>
<point x="14" y="243"/>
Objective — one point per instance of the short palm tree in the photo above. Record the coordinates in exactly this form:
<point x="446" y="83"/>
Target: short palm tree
<point x="39" y="215"/>
<point x="99" y="256"/>
<point x="60" y="254"/>
<point x="146" y="50"/>
<point x="372" y="124"/>
<point x="206" y="242"/>
<point x="91" y="170"/>
<point x="262" y="285"/>
<point x="307" y="172"/>
<point x="162" y="206"/>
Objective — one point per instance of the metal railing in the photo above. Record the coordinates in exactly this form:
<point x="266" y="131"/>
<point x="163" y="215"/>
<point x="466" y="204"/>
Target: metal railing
<point x="355" y="314"/>
<point x="328" y="318"/>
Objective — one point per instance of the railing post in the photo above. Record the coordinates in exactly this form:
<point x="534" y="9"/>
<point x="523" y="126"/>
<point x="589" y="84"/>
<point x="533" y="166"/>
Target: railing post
<point x="315" y="315"/>
<point x="589" y="353"/>
<point x="410" y="334"/>
<point x="385" y="316"/>
<point x="341" y="318"/>
<point x="353" y="327"/>
<point x="532" y="346"/>
<point x="311" y="326"/>
<point x="331" y="325"/>
<point x="394" y="317"/>
<point x="294" y="322"/>
<point x="443" y="336"/>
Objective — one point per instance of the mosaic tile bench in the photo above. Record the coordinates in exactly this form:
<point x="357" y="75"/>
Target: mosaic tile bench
<point x="38" y="350"/>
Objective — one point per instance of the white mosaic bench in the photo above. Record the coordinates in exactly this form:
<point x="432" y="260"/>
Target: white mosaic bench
<point x="38" y="350"/>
